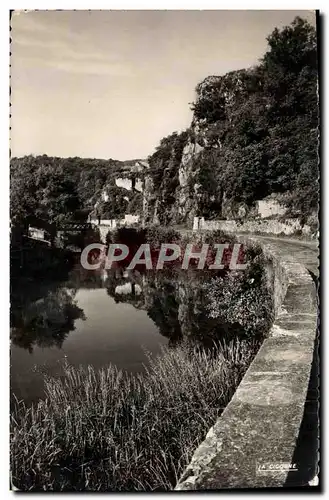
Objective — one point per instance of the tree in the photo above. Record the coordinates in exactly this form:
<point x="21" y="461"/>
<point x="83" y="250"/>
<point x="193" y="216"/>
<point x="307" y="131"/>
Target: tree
<point x="23" y="190"/>
<point x="291" y="85"/>
<point x="43" y="193"/>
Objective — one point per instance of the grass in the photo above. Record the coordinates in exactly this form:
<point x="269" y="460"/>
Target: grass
<point x="106" y="430"/>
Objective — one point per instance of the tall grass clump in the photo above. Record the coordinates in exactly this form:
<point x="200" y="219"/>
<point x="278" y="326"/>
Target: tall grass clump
<point x="106" y="430"/>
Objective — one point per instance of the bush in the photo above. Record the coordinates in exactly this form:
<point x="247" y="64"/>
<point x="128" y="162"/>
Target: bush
<point x="243" y="298"/>
<point x="109" y="431"/>
<point x="155" y="235"/>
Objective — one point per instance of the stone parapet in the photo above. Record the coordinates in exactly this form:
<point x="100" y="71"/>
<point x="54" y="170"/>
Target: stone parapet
<point x="253" y="442"/>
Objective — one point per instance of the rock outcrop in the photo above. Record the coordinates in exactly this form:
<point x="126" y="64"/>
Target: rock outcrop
<point x="179" y="183"/>
<point x="254" y="133"/>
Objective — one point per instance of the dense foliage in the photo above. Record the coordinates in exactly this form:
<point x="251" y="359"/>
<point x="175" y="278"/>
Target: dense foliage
<point x="258" y="128"/>
<point x="256" y="132"/>
<point x="243" y="299"/>
<point x="53" y="190"/>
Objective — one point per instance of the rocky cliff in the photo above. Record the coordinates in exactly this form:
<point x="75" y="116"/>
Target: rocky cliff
<point x="194" y="156"/>
<point x="253" y="134"/>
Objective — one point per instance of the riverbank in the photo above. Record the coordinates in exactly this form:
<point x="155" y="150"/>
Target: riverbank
<point x="280" y="390"/>
<point x="107" y="431"/>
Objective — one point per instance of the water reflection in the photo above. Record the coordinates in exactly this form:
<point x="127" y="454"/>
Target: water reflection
<point x="175" y="304"/>
<point x="47" y="321"/>
<point x="174" y="300"/>
<point x="91" y="317"/>
<point x="102" y="317"/>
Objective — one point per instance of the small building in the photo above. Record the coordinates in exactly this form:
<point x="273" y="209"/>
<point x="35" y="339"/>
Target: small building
<point x="36" y="233"/>
<point x="270" y="207"/>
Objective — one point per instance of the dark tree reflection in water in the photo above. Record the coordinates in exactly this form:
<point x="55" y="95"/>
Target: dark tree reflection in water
<point x="110" y="316"/>
<point x="47" y="321"/>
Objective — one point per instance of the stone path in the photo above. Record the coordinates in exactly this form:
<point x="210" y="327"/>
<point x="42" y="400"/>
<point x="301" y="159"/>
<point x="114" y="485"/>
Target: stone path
<point x="271" y="421"/>
<point x="303" y="252"/>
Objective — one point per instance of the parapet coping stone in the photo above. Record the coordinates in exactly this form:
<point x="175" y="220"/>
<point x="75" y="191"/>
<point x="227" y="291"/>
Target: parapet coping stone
<point x="261" y="423"/>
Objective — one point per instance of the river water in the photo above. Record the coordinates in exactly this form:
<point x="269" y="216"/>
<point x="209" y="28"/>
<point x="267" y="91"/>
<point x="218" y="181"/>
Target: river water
<point x="97" y="318"/>
<point x="84" y="320"/>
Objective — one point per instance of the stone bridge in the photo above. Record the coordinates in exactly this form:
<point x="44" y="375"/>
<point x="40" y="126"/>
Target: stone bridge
<point x="271" y="422"/>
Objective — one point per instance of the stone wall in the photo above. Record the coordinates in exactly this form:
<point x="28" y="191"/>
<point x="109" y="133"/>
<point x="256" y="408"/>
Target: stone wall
<point x="255" y="439"/>
<point x="287" y="227"/>
<point x="113" y="223"/>
<point x="269" y="207"/>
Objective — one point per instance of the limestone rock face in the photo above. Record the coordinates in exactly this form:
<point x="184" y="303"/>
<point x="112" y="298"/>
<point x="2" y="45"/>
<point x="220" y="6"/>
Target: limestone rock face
<point x="175" y="199"/>
<point x="188" y="186"/>
<point x="181" y="160"/>
<point x="150" y="203"/>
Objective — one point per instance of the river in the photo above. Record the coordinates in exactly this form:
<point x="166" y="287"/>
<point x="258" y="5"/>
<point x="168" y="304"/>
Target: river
<point x="96" y="318"/>
<point x="83" y="320"/>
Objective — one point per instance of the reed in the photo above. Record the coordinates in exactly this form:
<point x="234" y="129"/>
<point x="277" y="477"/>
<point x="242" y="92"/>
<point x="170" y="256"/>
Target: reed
<point x="106" y="430"/>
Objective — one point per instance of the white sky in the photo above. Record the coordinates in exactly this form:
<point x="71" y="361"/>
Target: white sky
<point x="111" y="84"/>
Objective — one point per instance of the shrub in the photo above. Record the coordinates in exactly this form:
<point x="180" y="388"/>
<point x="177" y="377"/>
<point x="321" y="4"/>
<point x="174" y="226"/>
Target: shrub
<point x="155" y="235"/>
<point x="243" y="298"/>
